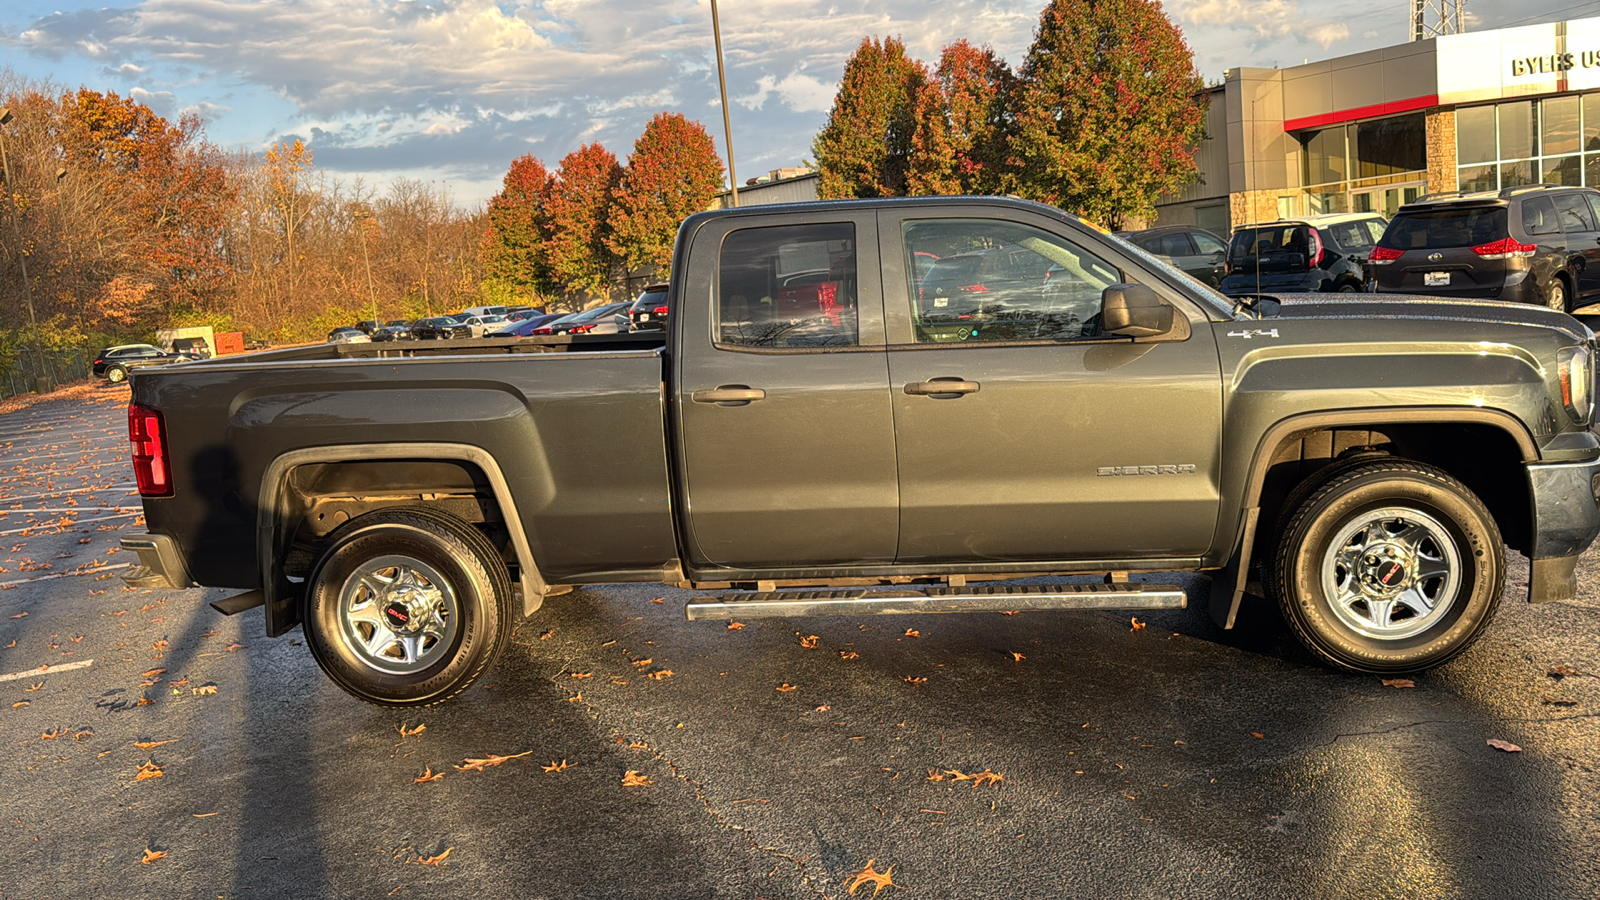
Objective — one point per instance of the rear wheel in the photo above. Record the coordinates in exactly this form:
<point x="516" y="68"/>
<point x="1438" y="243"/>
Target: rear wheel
<point x="1557" y="296"/>
<point x="116" y="374"/>
<point x="1391" y="566"/>
<point x="407" y="607"/>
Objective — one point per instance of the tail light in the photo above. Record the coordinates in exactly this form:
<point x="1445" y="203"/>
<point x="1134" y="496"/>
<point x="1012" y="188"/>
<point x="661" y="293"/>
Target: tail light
<point x="1318" y="252"/>
<point x="660" y="310"/>
<point x="1505" y="248"/>
<point x="580" y="329"/>
<point x="545" y="330"/>
<point x="1383" y="256"/>
<point x="149" y="437"/>
<point x="973" y="289"/>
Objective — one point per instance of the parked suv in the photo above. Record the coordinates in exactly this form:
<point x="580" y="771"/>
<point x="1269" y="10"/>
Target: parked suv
<point x="1538" y="244"/>
<point x="1318" y="254"/>
<point x="649" y="312"/>
<point x="113" y="363"/>
<point x="1184" y="247"/>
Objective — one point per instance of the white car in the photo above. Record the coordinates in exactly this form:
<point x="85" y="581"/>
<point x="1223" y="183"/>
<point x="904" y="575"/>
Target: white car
<point x="482" y="325"/>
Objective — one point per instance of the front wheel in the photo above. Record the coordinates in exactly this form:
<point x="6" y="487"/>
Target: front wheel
<point x="1389" y="567"/>
<point x="407" y="607"/>
<point x="1557" y="298"/>
<point x="116" y="374"/>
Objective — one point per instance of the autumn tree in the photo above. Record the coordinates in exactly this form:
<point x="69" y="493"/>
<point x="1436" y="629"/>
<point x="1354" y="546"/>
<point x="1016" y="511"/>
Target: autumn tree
<point x="865" y="147"/>
<point x="674" y="172"/>
<point x="579" y="207"/>
<point x="287" y="165"/>
<point x="518" y="226"/>
<point x="1107" y="112"/>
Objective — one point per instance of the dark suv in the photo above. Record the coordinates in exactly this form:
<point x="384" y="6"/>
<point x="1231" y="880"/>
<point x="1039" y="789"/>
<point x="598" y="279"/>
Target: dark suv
<point x="1317" y="254"/>
<point x="1184" y="247"/>
<point x="649" y="312"/>
<point x="1537" y="244"/>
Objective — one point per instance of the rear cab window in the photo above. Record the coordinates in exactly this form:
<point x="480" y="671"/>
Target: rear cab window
<point x="788" y="286"/>
<point x="1286" y="246"/>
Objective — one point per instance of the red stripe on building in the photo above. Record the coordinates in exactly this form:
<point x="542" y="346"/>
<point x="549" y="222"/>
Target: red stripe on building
<point x="1361" y="112"/>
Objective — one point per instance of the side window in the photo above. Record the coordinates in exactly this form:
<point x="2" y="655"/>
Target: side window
<point x="1208" y="244"/>
<point x="1001" y="281"/>
<point x="1575" y="215"/>
<point x="1176" y="244"/>
<point x="1539" y="217"/>
<point x="788" y="286"/>
<point x="1594" y="204"/>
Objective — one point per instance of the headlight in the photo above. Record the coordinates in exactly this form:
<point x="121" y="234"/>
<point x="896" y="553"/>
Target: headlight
<point x="1577" y="382"/>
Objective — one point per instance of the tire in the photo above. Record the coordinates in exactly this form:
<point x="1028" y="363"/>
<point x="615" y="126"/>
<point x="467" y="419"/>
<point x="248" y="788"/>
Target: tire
<point x="1557" y="298"/>
<point x="116" y="374"/>
<point x="1348" y="288"/>
<point x="1389" y="519"/>
<point x="407" y="607"/>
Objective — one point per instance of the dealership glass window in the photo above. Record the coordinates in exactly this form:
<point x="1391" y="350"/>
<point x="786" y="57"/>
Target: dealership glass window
<point x="1389" y="146"/>
<point x="1529" y="142"/>
<point x="1325" y="156"/>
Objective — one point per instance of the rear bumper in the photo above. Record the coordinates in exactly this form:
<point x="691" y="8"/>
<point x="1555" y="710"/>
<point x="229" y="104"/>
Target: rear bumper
<point x="161" y="563"/>
<point x="1566" y="518"/>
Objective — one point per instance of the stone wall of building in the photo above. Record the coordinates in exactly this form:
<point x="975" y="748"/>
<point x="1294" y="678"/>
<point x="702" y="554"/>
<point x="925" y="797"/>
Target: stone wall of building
<point x="1245" y="207"/>
<point x="1441" y="138"/>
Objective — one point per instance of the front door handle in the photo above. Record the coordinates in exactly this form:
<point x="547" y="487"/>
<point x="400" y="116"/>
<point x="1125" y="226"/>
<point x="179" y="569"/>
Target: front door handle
<point x="939" y="386"/>
<point x="737" y="394"/>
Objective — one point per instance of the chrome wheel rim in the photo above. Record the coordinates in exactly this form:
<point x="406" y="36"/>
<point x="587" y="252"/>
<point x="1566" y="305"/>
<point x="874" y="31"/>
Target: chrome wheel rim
<point x="1558" y="296"/>
<point x="398" y="614"/>
<point x="1391" y="573"/>
<point x="116" y="375"/>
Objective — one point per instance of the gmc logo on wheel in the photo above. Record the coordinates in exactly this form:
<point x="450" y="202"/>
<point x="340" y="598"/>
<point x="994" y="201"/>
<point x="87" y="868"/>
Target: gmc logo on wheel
<point x="1145" y="470"/>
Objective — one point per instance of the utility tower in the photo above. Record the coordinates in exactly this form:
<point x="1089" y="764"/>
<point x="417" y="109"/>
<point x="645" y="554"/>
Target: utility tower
<point x="1433" y="18"/>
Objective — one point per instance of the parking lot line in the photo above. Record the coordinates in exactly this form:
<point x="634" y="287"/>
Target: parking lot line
<point x="94" y="571"/>
<point x="47" y="669"/>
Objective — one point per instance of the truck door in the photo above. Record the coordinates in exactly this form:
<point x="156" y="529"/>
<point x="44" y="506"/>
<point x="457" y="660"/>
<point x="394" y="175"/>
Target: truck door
<point x="785" y="429"/>
<point x="1023" y="432"/>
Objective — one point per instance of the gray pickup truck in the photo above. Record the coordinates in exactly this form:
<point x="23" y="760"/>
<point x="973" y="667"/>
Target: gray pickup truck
<point x="887" y="407"/>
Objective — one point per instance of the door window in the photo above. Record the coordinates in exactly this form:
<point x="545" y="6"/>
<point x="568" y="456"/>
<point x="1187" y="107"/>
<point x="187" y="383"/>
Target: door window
<point x="790" y="286"/>
<point x="1574" y="212"/>
<point x="1209" y="244"/>
<point x="1002" y="281"/>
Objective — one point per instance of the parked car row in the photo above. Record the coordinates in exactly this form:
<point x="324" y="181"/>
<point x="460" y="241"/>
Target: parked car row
<point x="114" y="363"/>
<point x="1536" y="244"/>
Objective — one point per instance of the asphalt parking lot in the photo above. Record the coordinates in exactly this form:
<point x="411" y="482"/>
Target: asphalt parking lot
<point x="158" y="749"/>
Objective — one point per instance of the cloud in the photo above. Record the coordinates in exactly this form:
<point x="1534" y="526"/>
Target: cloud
<point x="1267" y="18"/>
<point x="1329" y="33"/>
<point x="799" y="92"/>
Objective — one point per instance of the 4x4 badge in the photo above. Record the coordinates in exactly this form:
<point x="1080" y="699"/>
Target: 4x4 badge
<point x="1254" y="332"/>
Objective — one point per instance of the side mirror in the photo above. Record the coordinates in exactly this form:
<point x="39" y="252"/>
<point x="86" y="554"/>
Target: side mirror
<point x="1133" y="310"/>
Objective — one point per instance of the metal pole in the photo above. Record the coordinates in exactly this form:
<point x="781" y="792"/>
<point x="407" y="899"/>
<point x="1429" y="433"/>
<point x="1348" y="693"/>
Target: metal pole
<point x="16" y="231"/>
<point x="727" y="124"/>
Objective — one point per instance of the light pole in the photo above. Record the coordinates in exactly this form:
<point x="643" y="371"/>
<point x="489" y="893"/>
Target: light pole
<point x="727" y="124"/>
<point x="16" y="233"/>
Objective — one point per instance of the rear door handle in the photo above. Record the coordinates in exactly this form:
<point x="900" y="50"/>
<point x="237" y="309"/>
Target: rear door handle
<point x="729" y="393"/>
<point x="942" y="386"/>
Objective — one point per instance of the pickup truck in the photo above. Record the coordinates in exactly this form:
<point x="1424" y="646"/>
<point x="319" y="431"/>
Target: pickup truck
<point x="892" y="406"/>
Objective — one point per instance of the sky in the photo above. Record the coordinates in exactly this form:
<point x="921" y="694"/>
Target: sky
<point x="452" y="90"/>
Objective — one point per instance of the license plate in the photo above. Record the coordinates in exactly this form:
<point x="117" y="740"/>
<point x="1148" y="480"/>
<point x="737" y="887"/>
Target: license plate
<point x="644" y="317"/>
<point x="1436" y="279"/>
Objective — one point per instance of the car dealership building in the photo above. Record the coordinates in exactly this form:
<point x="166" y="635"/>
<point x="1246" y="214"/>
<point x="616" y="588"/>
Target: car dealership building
<point x="1373" y="130"/>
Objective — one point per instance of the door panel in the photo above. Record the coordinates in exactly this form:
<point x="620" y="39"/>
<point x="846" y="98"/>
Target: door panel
<point x="1081" y="447"/>
<point x="786" y="430"/>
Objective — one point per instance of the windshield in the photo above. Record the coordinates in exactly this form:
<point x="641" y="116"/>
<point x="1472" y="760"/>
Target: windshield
<point x="1194" y="286"/>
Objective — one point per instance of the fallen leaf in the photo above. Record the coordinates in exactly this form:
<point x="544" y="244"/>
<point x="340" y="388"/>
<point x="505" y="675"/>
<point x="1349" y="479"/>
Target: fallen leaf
<point x="409" y="732"/>
<point x="51" y="735"/>
<point x="644" y="662"/>
<point x="1556" y="672"/>
<point x="33" y="687"/>
<point x="1136" y="624"/>
<point x="1399" y="683"/>
<point x="986" y="777"/>
<point x="1257" y="734"/>
<point x="556" y="766"/>
<point x="634" y="779"/>
<point x="581" y="674"/>
<point x="786" y="687"/>
<point x="428" y="774"/>
<point x="935" y="775"/>
<point x="202" y="815"/>
<point x="878" y="880"/>
<point x="151" y="856"/>
<point x="576" y="698"/>
<point x="1507" y="746"/>
<point x="12" y="644"/>
<point x="638" y="745"/>
<point x="659" y="675"/>
<point x="143" y="701"/>
<point x="204" y="689"/>
<point x="151" y="745"/>
<point x="491" y="760"/>
<point x="1554" y="701"/>
<point x="735" y="626"/>
<point x="912" y="632"/>
<point x="810" y="642"/>
<point x="1017" y="657"/>
<point x="19" y="704"/>
<point x="435" y="860"/>
<point x="232" y="647"/>
<point x="20" y="615"/>
<point x="149" y="770"/>
<point x="849" y="654"/>
<point x="823" y="708"/>
<point x="914" y="679"/>
<point x="658" y="599"/>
